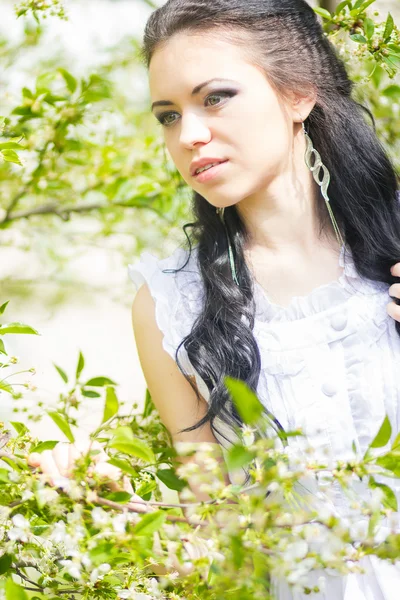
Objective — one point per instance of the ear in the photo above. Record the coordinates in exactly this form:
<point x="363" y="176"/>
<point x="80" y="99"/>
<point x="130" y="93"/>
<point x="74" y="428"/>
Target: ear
<point x="301" y="106"/>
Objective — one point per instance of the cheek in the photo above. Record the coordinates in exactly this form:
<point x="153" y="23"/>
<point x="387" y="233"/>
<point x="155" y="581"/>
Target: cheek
<point x="266" y="139"/>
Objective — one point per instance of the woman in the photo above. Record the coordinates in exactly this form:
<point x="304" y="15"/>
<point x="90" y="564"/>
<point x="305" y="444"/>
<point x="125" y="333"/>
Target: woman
<point x="297" y="226"/>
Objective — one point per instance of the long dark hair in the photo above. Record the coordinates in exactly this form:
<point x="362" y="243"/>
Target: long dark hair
<point x="285" y="38"/>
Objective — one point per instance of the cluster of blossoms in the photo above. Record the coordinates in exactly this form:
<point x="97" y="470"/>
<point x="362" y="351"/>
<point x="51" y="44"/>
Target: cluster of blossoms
<point x="54" y="8"/>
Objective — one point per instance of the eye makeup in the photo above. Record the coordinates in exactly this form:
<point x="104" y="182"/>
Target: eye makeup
<point x="227" y="93"/>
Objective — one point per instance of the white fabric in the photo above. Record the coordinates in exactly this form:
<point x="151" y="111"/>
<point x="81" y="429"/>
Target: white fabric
<point x="330" y="365"/>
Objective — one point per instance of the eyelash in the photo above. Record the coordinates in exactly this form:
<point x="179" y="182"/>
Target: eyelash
<point x="228" y="93"/>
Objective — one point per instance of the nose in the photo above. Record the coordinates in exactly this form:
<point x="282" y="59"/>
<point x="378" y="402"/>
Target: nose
<point x="193" y="131"/>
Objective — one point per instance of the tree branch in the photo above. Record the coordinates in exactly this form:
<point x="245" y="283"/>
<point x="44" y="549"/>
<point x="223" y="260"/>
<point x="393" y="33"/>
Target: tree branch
<point x="65" y="212"/>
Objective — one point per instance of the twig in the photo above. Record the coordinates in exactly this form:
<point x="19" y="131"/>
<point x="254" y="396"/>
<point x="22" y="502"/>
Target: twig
<point x="131" y="508"/>
<point x="65" y="212"/>
<point x="20" y="574"/>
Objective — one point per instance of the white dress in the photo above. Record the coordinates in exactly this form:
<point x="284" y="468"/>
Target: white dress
<point x="330" y="364"/>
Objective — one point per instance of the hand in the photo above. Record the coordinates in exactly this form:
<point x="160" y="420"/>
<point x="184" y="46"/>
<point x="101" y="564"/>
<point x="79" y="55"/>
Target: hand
<point x="393" y="308"/>
<point x="59" y="463"/>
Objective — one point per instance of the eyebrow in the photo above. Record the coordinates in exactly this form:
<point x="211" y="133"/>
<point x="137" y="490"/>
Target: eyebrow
<point x="195" y="91"/>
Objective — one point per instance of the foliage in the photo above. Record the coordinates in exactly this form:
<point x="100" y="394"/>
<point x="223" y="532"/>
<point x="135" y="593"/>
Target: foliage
<point x="77" y="536"/>
<point x="81" y="146"/>
<point x="371" y="51"/>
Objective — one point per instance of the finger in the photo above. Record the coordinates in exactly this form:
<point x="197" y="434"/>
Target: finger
<point x="99" y="456"/>
<point x="395" y="270"/>
<point x="49" y="467"/>
<point x="107" y="470"/>
<point x="84" y="447"/>
<point x="127" y="485"/>
<point x="393" y="310"/>
<point x="34" y="459"/>
<point x="73" y="455"/>
<point x="61" y="457"/>
<point x="394" y="290"/>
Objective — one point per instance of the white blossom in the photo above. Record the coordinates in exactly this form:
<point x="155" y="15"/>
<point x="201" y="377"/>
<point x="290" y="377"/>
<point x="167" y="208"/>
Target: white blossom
<point x="132" y="594"/>
<point x="21" y="528"/>
<point x="99" y="572"/>
<point x="73" y="568"/>
<point x="119" y="522"/>
<point x="59" y="532"/>
<point x="100" y="517"/>
<point x="296" y="551"/>
<point x="48" y="496"/>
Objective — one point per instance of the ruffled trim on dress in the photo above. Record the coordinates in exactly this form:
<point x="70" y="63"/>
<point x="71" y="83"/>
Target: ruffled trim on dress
<point x="321" y="298"/>
<point x="169" y="292"/>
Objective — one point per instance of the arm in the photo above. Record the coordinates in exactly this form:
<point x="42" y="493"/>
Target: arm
<point x="171" y="393"/>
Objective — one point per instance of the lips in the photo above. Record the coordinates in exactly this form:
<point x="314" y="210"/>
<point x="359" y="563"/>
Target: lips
<point x="214" y="163"/>
<point x="204" y="162"/>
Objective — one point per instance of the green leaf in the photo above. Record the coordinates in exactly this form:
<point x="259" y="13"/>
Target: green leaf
<point x="396" y="443"/>
<point x="121" y="497"/>
<point x="24" y="111"/>
<point x="392" y="91"/>
<point x="383" y="435"/>
<point x="134" y="448"/>
<point x="365" y="5"/>
<point x="247" y="404"/>
<point x="394" y="58"/>
<point x="124" y="466"/>
<point x="15" y="591"/>
<point x="369" y="28"/>
<point x="360" y="39"/>
<point x="26" y="92"/>
<point x="99" y="382"/>
<point x="389" y="500"/>
<point x="391" y="64"/>
<point x="390" y="462"/>
<point x="323" y="12"/>
<point x="2" y="347"/>
<point x="6" y="387"/>
<point x="80" y="365"/>
<point x="149" y="406"/>
<point x="170" y="479"/>
<point x="388" y="27"/>
<point x="62" y="424"/>
<point x="44" y="80"/>
<point x="4" y="478"/>
<point x="11" y="146"/>
<point x="61" y="373"/>
<point x="20" y="428"/>
<point x="17" y="328"/>
<point x="238" y="457"/>
<point x="5" y="563"/>
<point x="111" y="405"/>
<point x="10" y="156"/>
<point x="42" y="446"/>
<point x="3" y="307"/>
<point x="90" y="394"/>
<point x="358" y="4"/>
<point x="150" y="523"/>
<point x="341" y="6"/>
<point x="69" y="80"/>
<point x="394" y="48"/>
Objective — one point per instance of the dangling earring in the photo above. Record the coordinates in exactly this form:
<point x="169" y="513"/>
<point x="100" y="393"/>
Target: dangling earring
<point x="220" y="212"/>
<point x="315" y="169"/>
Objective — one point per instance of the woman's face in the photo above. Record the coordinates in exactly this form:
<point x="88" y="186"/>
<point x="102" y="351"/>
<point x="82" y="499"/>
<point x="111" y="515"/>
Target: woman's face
<point x="240" y="119"/>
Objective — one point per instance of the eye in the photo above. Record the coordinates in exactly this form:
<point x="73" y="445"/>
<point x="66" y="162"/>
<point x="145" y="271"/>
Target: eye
<point x="223" y="93"/>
